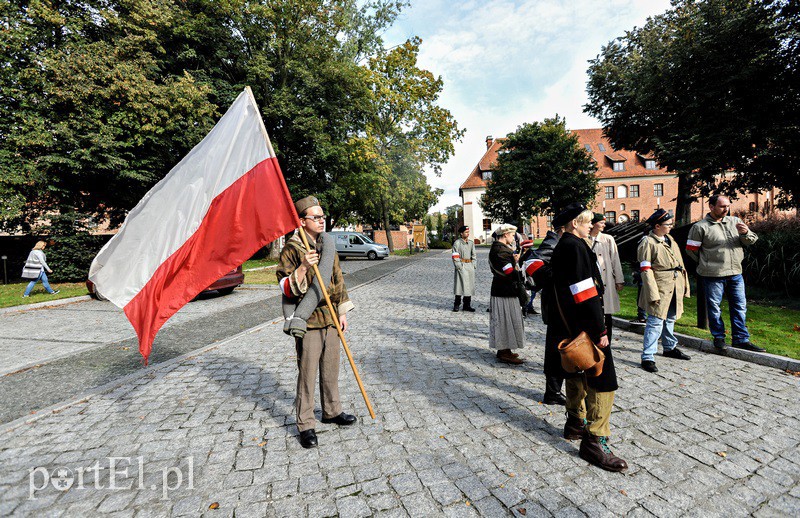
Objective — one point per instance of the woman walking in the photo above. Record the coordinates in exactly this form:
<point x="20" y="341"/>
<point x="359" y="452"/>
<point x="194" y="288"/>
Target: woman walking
<point x="578" y="289"/>
<point x="506" y="328"/>
<point x="34" y="269"/>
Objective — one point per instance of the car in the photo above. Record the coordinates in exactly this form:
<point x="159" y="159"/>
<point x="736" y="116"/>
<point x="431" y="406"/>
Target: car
<point x="224" y="285"/>
<point x="356" y="244"/>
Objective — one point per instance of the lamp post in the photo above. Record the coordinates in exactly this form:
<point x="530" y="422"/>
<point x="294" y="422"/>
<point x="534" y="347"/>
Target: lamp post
<point x="5" y="271"/>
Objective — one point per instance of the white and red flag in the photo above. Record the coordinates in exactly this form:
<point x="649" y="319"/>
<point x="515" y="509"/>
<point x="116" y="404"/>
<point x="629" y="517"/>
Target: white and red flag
<point x="226" y="199"/>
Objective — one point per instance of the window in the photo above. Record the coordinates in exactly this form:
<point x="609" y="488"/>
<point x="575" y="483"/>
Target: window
<point x="611" y="217"/>
<point x="487" y="224"/>
<point x="658" y="189"/>
<point x="619" y="166"/>
<point x="486" y="175"/>
<point x="753" y="206"/>
<point x="610" y="192"/>
<point x="621" y="207"/>
<point x="588" y="147"/>
<point x="649" y="164"/>
<point x="622" y="191"/>
<point x="355" y="240"/>
<point x="633" y="191"/>
<point x="601" y="147"/>
<point x="635" y="215"/>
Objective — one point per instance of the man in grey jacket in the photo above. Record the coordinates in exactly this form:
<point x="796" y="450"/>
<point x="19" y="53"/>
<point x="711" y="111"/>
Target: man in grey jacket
<point x="717" y="244"/>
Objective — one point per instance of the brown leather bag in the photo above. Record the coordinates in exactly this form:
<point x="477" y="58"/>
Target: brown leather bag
<point x="580" y="353"/>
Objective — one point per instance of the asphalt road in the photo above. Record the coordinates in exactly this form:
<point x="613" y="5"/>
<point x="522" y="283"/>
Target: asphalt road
<point x="101" y="360"/>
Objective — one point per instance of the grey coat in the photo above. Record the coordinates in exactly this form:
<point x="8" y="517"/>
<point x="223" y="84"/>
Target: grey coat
<point x="463" y="254"/>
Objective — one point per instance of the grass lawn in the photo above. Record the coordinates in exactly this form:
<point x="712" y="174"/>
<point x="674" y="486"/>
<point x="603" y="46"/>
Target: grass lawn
<point x="258" y="263"/>
<point x="773" y="327"/>
<point x="266" y="276"/>
<point x="11" y="294"/>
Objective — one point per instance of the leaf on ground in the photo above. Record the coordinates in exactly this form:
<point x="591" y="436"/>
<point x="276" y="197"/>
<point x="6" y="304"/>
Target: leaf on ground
<point x="792" y="373"/>
<point x="522" y="511"/>
<point x="797" y="327"/>
<point x="722" y="454"/>
<point x="623" y="492"/>
<point x="262" y="444"/>
<point x="214" y="505"/>
<point x="468" y="503"/>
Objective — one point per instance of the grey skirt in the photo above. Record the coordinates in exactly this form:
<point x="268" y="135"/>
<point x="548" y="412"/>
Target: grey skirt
<point x="506" y="325"/>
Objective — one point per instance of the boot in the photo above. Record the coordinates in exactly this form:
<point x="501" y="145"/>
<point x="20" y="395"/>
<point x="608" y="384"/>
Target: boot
<point x="506" y="356"/>
<point x="574" y="428"/>
<point x="595" y="450"/>
<point x="468" y="305"/>
<point x="457" y="303"/>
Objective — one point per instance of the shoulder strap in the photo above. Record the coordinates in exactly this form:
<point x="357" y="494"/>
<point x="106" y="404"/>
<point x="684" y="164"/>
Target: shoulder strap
<point x="561" y="311"/>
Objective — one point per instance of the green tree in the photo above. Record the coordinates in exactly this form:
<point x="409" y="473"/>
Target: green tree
<point x="540" y="169"/>
<point x="709" y="87"/>
<point x="406" y="132"/>
<point x="89" y="122"/>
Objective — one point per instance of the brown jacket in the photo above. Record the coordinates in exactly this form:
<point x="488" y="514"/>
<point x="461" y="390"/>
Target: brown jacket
<point x="663" y="276"/>
<point x="292" y="257"/>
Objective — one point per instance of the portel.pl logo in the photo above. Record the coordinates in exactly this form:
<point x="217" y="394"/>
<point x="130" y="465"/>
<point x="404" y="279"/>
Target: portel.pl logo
<point x="113" y="477"/>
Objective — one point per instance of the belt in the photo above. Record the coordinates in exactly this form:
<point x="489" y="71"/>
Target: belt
<point x="466" y="260"/>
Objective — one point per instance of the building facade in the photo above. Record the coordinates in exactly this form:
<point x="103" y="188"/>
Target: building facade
<point x="631" y="187"/>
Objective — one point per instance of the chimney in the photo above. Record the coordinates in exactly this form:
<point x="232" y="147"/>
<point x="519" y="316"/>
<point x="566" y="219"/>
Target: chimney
<point x="489" y="141"/>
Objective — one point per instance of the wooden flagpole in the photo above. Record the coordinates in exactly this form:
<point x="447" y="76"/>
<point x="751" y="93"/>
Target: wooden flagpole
<point x="338" y="327"/>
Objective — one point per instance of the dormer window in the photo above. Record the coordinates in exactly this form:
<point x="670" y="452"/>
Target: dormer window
<point x="601" y="147"/>
<point x="619" y="166"/>
<point x="649" y="164"/>
<point x="486" y="175"/>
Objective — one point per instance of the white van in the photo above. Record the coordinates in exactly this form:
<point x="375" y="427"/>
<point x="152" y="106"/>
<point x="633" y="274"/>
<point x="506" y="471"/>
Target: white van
<point x="355" y="244"/>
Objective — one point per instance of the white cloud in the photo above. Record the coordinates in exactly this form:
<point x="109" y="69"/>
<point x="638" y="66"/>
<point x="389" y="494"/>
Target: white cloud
<point x="505" y="63"/>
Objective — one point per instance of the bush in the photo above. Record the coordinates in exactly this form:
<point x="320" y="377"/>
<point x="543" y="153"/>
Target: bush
<point x="773" y="262"/>
<point x="441" y="245"/>
<point x="71" y="248"/>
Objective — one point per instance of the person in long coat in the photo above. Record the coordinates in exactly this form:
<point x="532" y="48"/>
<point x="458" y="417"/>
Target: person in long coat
<point x="578" y="294"/>
<point x="506" y="325"/>
<point x="665" y="284"/>
<point x="463" y="254"/>
<point x="605" y="248"/>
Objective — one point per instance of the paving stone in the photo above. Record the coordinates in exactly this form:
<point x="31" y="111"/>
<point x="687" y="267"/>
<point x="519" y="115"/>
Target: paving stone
<point x="352" y="506"/>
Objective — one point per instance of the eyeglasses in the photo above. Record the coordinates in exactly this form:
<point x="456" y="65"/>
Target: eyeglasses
<point x="318" y="219"/>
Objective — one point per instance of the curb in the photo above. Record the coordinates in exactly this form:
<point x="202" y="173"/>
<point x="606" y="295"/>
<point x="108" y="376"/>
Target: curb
<point x="46" y="304"/>
<point x="766" y="359"/>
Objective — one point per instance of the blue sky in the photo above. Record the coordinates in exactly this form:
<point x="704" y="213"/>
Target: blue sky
<point x="508" y="62"/>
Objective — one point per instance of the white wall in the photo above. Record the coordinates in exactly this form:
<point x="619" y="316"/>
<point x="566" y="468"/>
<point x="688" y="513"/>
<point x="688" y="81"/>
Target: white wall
<point x="473" y="215"/>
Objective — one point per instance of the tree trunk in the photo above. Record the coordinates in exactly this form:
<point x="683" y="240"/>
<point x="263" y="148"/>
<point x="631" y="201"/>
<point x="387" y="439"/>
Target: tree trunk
<point x="385" y="223"/>
<point x="683" y="206"/>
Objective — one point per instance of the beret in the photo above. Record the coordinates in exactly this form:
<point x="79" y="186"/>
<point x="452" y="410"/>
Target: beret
<point x="569" y="213"/>
<point x="462" y="228"/>
<point x="597" y="218"/>
<point x="305" y="203"/>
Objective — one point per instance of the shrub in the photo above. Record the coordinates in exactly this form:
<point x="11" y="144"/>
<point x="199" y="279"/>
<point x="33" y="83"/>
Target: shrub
<point x="773" y="262"/>
<point x="436" y="244"/>
<point x="71" y="248"/>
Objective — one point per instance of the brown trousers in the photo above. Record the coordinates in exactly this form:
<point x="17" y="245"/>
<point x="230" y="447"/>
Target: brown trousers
<point x="317" y="350"/>
<point x="584" y="402"/>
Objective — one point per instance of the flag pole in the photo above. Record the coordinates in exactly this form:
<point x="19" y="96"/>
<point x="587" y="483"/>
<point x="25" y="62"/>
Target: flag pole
<point x="338" y="328"/>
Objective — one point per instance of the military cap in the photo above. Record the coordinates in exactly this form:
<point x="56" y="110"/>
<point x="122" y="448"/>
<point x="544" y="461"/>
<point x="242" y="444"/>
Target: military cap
<point x="462" y="228"/>
<point x="305" y="203"/>
<point x="569" y="213"/>
<point x="659" y="217"/>
<point x="598" y="218"/>
<point x="505" y="228"/>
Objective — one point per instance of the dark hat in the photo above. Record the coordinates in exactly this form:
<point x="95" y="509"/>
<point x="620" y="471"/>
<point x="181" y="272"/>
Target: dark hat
<point x="462" y="228"/>
<point x="597" y="218"/>
<point x="569" y="213"/>
<point x="658" y="217"/>
<point x="305" y="203"/>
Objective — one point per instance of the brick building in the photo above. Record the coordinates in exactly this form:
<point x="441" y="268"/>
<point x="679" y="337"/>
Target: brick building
<point x="631" y="185"/>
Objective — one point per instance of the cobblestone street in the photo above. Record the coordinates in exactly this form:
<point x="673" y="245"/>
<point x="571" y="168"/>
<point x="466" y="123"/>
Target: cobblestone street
<point x="457" y="433"/>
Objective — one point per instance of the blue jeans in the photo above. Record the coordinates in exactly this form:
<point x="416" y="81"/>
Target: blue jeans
<point x="529" y="306"/>
<point x="656" y="328"/>
<point x="42" y="277"/>
<point x="733" y="288"/>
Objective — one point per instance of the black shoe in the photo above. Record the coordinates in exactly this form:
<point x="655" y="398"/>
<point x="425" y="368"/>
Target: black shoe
<point x="749" y="346"/>
<point x="595" y="450"/>
<point x="308" y="439"/>
<point x="720" y="345"/>
<point x="455" y="309"/>
<point x="469" y="308"/>
<point x="649" y="366"/>
<point x="574" y="428"/>
<point x="638" y="321"/>
<point x="532" y="312"/>
<point x="341" y="419"/>
<point x="554" y="399"/>
<point x="677" y="354"/>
